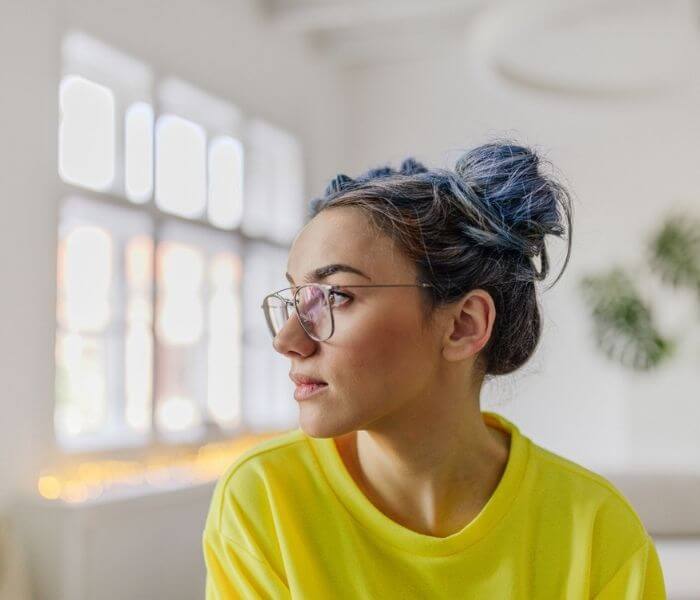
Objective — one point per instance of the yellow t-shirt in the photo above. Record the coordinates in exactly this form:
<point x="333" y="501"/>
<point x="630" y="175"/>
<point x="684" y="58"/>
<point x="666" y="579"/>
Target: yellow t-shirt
<point x="287" y="520"/>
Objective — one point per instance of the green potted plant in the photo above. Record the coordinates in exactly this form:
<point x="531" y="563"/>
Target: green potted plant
<point x="624" y="326"/>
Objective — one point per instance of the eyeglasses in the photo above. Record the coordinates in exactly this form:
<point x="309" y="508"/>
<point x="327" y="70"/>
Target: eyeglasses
<point x="313" y="304"/>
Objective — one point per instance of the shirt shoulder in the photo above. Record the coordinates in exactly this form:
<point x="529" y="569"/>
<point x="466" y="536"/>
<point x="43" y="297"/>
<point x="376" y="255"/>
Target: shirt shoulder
<point x="266" y="452"/>
<point x="587" y="489"/>
<point x="592" y="510"/>
<point x="248" y="482"/>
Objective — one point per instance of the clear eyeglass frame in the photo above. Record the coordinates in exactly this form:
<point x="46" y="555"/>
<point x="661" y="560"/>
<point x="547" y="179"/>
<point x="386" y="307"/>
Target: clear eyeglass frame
<point x="327" y="289"/>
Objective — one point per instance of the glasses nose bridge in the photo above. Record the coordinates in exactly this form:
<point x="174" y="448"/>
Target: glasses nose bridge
<point x="292" y="311"/>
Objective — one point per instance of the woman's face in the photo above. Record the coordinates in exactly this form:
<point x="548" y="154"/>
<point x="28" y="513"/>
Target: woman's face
<point x="379" y="357"/>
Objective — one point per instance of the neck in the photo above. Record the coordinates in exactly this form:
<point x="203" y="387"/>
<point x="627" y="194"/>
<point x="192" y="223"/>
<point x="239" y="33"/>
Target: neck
<point x="432" y="473"/>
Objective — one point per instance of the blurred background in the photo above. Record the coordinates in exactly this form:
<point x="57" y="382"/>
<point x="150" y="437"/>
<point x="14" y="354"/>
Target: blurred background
<point x="155" y="164"/>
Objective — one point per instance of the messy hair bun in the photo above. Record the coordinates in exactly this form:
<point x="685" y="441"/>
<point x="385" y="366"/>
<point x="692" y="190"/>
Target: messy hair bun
<point x="479" y="225"/>
<point x="518" y="205"/>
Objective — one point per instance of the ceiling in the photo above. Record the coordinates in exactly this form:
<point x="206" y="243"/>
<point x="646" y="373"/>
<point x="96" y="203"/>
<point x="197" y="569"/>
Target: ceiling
<point x="364" y="31"/>
<point x="591" y="47"/>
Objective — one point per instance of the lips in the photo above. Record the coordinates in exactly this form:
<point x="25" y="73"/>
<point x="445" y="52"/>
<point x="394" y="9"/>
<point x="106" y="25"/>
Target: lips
<point x="307" y="390"/>
<point x="300" y="379"/>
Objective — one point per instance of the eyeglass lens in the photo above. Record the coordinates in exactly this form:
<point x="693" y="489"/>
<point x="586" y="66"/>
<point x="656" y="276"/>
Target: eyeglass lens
<point x="313" y="308"/>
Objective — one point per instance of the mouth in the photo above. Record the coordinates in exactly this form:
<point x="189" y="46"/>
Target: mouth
<point x="306" y="390"/>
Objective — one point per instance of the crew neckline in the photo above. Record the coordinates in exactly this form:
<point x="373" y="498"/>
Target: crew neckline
<point x="373" y="519"/>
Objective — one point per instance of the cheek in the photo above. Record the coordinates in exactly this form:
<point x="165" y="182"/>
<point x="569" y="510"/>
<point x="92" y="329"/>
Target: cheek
<point x="382" y="355"/>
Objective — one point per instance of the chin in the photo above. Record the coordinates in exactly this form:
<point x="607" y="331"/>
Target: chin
<point x="320" y="428"/>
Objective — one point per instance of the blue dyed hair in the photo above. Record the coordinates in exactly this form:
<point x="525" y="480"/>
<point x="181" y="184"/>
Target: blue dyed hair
<point x="479" y="225"/>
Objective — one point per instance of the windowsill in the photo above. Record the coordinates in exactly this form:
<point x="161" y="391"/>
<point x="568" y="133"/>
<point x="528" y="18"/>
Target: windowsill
<point x="137" y="446"/>
<point x="131" y="493"/>
<point x="96" y="479"/>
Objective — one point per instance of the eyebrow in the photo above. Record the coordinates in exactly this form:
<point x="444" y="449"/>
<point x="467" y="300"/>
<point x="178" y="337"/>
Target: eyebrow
<point x="326" y="271"/>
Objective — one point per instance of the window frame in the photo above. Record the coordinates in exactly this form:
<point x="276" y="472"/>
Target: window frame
<point x="153" y="441"/>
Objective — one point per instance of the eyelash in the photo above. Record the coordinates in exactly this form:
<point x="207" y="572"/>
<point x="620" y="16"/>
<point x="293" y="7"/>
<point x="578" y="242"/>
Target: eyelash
<point x="335" y="293"/>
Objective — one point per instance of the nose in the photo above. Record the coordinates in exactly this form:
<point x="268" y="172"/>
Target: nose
<point x="293" y="339"/>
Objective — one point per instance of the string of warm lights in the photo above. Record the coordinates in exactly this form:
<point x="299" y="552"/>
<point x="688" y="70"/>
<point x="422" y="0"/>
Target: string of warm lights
<point x="91" y="480"/>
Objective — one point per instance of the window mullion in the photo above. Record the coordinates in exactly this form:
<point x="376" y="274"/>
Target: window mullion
<point x="157" y="222"/>
<point x="154" y="308"/>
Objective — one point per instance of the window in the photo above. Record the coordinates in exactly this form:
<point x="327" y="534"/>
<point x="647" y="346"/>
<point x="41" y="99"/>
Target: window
<point x="176" y="220"/>
<point x="86" y="133"/>
<point x="180" y="166"/>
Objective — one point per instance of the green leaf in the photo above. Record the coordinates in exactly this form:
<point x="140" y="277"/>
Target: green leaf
<point x="623" y="323"/>
<point x="675" y="252"/>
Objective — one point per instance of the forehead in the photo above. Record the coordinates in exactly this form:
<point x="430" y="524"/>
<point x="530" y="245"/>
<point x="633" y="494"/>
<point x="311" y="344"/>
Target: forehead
<point x="344" y="235"/>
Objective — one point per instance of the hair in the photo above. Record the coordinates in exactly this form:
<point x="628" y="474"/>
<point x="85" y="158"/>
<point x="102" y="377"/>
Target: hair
<point x="476" y="226"/>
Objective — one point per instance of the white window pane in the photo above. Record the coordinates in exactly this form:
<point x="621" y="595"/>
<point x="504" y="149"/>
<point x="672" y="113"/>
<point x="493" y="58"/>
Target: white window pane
<point x="177" y="413"/>
<point x="103" y="337"/>
<point x="259" y="188"/>
<point x="180" y="313"/>
<point x="274" y="204"/>
<point x="84" y="273"/>
<point x="138" y="159"/>
<point x="224" y="348"/>
<point x="287" y="213"/>
<point x="86" y="133"/>
<point x="179" y="330"/>
<point x="180" y="166"/>
<point x="225" y="182"/>
<point x="85" y="278"/>
<point x="138" y="343"/>
<point x="81" y="384"/>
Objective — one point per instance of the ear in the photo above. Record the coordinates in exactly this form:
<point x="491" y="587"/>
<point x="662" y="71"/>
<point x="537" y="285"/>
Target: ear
<point x="469" y="325"/>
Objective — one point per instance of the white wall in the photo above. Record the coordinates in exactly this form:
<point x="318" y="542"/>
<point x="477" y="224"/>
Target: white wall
<point x="28" y="113"/>
<point x="225" y="47"/>
<point x="626" y="161"/>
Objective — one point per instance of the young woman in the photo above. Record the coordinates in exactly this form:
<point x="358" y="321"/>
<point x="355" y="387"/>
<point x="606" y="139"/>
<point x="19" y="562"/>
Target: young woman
<point x="408" y="289"/>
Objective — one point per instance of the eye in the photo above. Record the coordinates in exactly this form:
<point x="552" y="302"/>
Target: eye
<point x="334" y="295"/>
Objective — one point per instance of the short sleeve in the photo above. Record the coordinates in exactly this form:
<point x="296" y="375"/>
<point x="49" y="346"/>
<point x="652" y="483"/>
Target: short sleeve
<point x="640" y="578"/>
<point x="233" y="572"/>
